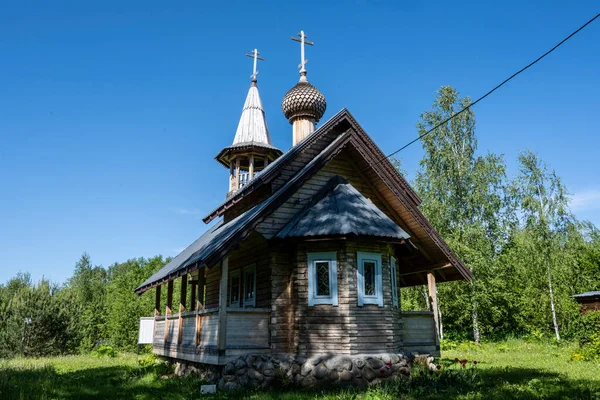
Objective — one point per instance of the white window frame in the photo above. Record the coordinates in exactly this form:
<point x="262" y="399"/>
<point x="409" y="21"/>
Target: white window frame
<point x="235" y="274"/>
<point x="394" y="281"/>
<point x="313" y="298"/>
<point x="252" y="302"/>
<point x="363" y="299"/>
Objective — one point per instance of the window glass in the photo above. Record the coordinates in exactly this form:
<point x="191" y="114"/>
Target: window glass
<point x="370" y="284"/>
<point x="369" y="279"/>
<point x="322" y="278"/>
<point x="250" y="285"/>
<point x="234" y="290"/>
<point x="322" y="270"/>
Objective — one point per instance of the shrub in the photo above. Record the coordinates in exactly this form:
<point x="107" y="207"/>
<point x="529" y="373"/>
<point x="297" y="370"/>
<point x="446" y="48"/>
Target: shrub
<point x="591" y="350"/>
<point x="106" y="350"/>
<point x="587" y="326"/>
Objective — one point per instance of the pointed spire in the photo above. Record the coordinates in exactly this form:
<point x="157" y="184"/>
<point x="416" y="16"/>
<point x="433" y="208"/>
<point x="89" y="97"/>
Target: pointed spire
<point x="252" y="127"/>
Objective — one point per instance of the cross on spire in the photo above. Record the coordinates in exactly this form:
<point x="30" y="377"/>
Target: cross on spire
<point x="302" y="39"/>
<point x="255" y="56"/>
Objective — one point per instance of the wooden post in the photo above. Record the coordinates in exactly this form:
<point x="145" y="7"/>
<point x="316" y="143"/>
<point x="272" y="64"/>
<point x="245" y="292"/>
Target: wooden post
<point x="231" y="176"/>
<point x="182" y="302"/>
<point x="200" y="305"/>
<point x="433" y="306"/>
<point x="251" y="166"/>
<point x="193" y="286"/>
<point x="168" y="308"/>
<point x="157" y="302"/>
<point x="266" y="162"/>
<point x="222" y="332"/>
<point x="237" y="173"/>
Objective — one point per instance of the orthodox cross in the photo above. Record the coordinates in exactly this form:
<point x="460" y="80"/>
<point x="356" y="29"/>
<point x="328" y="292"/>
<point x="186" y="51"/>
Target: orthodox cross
<point x="302" y="39"/>
<point x="255" y="55"/>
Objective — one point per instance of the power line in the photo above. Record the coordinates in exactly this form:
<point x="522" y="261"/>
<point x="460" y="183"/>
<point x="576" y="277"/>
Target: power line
<point x="490" y="92"/>
<point x="481" y="98"/>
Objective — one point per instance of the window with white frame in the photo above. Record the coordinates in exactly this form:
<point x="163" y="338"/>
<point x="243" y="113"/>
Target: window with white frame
<point x="370" y="282"/>
<point x="250" y="286"/>
<point x="394" y="281"/>
<point x="234" y="289"/>
<point x="322" y="278"/>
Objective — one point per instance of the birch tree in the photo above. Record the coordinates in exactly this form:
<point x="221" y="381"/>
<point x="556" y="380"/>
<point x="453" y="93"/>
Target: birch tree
<point x="544" y="205"/>
<point x="463" y="193"/>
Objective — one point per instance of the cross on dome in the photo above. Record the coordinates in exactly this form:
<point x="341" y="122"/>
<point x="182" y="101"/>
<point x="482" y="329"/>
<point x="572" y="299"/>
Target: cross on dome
<point x="302" y="39"/>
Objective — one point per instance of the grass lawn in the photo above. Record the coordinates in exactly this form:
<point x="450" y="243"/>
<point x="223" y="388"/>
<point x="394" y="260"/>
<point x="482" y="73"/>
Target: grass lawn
<point x="505" y="370"/>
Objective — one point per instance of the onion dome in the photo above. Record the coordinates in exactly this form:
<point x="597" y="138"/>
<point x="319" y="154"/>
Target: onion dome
<point x="303" y="100"/>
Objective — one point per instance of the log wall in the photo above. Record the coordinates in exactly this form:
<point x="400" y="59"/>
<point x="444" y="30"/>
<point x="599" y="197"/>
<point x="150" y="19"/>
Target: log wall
<point x="252" y="251"/>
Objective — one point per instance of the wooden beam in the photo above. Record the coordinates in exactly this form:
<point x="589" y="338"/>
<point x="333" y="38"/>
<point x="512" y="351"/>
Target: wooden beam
<point x="193" y="286"/>
<point x="433" y="305"/>
<point x="201" y="287"/>
<point x="168" y="308"/>
<point x="415" y="269"/>
<point x="200" y="304"/>
<point x="251" y="166"/>
<point x="182" y="302"/>
<point x="222" y="331"/>
<point x="157" y="302"/>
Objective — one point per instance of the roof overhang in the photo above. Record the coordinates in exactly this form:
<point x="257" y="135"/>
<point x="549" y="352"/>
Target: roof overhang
<point x="229" y="153"/>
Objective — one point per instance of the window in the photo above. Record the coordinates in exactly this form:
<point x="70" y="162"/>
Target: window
<point x="370" y="290"/>
<point x="394" y="282"/>
<point x="322" y="279"/>
<point x="234" y="289"/>
<point x="250" y="286"/>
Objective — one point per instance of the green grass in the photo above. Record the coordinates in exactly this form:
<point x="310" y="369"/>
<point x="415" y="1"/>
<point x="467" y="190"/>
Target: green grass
<point x="506" y="370"/>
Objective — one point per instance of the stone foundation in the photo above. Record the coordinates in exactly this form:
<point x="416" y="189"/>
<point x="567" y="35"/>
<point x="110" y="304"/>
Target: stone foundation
<point x="281" y="370"/>
<point x="261" y="371"/>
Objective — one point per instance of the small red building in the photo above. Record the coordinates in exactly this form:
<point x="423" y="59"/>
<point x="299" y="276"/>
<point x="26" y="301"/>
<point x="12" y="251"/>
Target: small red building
<point x="590" y="301"/>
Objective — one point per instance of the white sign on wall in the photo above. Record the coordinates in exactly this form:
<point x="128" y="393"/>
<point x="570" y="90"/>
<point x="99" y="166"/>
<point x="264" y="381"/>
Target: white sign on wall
<point x="146" y="334"/>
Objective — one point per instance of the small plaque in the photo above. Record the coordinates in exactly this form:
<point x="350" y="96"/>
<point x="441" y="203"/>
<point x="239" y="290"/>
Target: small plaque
<point x="208" y="389"/>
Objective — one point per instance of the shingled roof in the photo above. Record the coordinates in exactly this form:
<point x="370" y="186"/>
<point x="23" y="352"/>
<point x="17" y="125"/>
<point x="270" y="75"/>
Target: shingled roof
<point x="339" y="209"/>
<point x="217" y="242"/>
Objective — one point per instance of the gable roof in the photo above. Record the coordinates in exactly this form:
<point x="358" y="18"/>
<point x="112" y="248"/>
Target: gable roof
<point x="347" y="132"/>
<point x="340" y="209"/>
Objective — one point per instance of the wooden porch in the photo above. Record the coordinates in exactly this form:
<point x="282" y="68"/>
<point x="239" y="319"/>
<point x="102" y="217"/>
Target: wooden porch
<point x="194" y="336"/>
<point x="208" y="335"/>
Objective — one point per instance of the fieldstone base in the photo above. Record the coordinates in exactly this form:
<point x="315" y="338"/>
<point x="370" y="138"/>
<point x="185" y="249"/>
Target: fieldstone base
<point x="206" y="372"/>
<point x="261" y="371"/>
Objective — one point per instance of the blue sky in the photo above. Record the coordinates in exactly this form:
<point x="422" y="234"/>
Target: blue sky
<point x="111" y="113"/>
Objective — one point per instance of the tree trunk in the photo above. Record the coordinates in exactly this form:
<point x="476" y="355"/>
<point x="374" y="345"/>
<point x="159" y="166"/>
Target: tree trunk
<point x="440" y="318"/>
<point x="474" y="316"/>
<point x="554" y="321"/>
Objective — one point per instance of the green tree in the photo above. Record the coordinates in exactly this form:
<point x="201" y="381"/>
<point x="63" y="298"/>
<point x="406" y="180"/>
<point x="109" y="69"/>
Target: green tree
<point x="124" y="307"/>
<point x="88" y="291"/>
<point x="544" y="207"/>
<point x="463" y="196"/>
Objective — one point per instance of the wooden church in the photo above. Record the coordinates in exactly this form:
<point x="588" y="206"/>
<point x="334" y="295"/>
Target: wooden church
<point x="310" y="249"/>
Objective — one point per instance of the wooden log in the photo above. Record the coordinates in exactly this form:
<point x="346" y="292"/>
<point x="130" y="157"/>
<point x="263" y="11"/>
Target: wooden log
<point x="433" y="304"/>
<point x="168" y="308"/>
<point x="200" y="303"/>
<point x="222" y="335"/>
<point x="182" y="302"/>
<point x="194" y="286"/>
